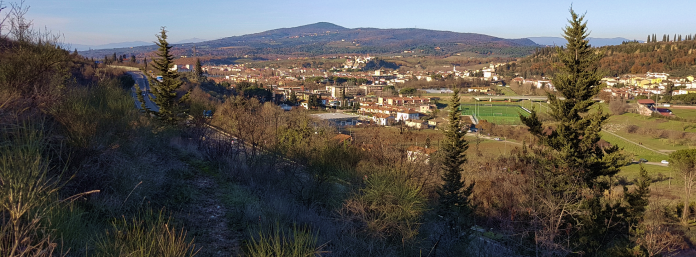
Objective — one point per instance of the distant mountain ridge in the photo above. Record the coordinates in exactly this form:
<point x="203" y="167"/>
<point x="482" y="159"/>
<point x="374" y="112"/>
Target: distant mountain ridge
<point x="597" y="42"/>
<point x="80" y="47"/>
<point x="327" y="38"/>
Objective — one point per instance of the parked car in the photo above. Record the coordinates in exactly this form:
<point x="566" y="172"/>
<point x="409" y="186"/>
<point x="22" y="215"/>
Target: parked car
<point x="641" y="160"/>
<point x="664" y="162"/>
<point x="497" y="139"/>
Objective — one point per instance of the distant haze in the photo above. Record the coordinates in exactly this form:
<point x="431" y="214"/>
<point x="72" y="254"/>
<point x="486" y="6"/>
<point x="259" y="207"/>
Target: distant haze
<point x="125" y="44"/>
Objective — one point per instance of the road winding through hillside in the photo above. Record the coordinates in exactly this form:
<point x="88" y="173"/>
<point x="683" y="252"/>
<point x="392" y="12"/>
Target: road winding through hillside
<point x="142" y="82"/>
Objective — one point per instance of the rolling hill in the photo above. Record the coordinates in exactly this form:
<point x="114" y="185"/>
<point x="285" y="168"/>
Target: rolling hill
<point x="326" y="38"/>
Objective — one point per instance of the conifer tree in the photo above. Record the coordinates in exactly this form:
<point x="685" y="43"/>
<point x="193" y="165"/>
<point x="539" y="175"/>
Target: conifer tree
<point x="454" y="203"/>
<point x="574" y="144"/>
<point x="171" y="107"/>
<point x="199" y="70"/>
<point x="132" y="59"/>
<point x="648" y="41"/>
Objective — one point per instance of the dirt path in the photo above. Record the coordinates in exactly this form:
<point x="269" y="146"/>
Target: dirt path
<point x="207" y="219"/>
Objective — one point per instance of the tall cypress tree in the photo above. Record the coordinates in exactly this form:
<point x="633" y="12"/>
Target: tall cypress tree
<point x="171" y="107"/>
<point x="574" y="140"/>
<point x="648" y="41"/>
<point x="199" y="70"/>
<point x="454" y="203"/>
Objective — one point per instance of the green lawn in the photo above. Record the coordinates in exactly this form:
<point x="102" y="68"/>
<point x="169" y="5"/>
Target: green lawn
<point x="685" y="113"/>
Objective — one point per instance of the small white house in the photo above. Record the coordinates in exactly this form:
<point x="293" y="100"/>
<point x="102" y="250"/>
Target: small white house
<point x="407" y="115"/>
<point x="383" y="119"/>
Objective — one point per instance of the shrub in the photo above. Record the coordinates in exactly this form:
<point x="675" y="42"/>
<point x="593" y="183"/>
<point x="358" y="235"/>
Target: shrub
<point x="388" y="207"/>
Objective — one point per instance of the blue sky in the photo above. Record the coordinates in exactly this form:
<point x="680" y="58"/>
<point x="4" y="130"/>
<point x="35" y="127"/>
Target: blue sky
<point x="111" y="21"/>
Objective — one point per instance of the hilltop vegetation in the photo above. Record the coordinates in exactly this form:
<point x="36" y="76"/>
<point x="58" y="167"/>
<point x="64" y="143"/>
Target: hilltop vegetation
<point x="677" y="58"/>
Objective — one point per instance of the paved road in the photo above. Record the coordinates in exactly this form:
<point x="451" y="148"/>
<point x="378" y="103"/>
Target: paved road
<point x="144" y="85"/>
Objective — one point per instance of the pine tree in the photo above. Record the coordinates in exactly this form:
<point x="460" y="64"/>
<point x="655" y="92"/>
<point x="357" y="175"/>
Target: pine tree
<point x="132" y="59"/>
<point x="171" y="107"/>
<point x="454" y="204"/>
<point x="574" y="144"/>
<point x="199" y="70"/>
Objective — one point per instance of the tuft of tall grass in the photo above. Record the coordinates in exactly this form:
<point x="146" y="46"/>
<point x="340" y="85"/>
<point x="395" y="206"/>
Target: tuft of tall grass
<point x="150" y="234"/>
<point x="276" y="241"/>
<point x="27" y="191"/>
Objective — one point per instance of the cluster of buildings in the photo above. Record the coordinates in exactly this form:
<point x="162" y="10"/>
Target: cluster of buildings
<point x="282" y="76"/>
<point x="631" y="86"/>
<point x="543" y="83"/>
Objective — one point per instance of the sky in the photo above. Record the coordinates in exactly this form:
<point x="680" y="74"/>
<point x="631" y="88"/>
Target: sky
<point x="94" y="22"/>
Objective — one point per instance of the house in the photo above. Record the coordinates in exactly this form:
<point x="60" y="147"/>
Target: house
<point x="419" y="154"/>
<point x="408" y="114"/>
<point x="337" y="119"/>
<point x="427" y="108"/>
<point x="383" y="119"/>
<point x="487" y="73"/>
<point x="647" y="107"/>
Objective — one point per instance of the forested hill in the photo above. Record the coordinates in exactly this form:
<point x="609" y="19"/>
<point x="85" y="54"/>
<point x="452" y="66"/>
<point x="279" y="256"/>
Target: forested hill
<point x="327" y="38"/>
<point x="676" y="58"/>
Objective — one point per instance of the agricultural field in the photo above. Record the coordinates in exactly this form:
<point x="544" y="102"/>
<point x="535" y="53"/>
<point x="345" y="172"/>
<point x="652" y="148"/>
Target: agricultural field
<point x="689" y="114"/>
<point x="636" y="151"/>
<point x="502" y="114"/>
<point x="642" y="121"/>
<point x="667" y="186"/>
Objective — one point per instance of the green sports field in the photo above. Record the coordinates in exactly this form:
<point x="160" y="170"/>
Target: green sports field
<point x="498" y="114"/>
